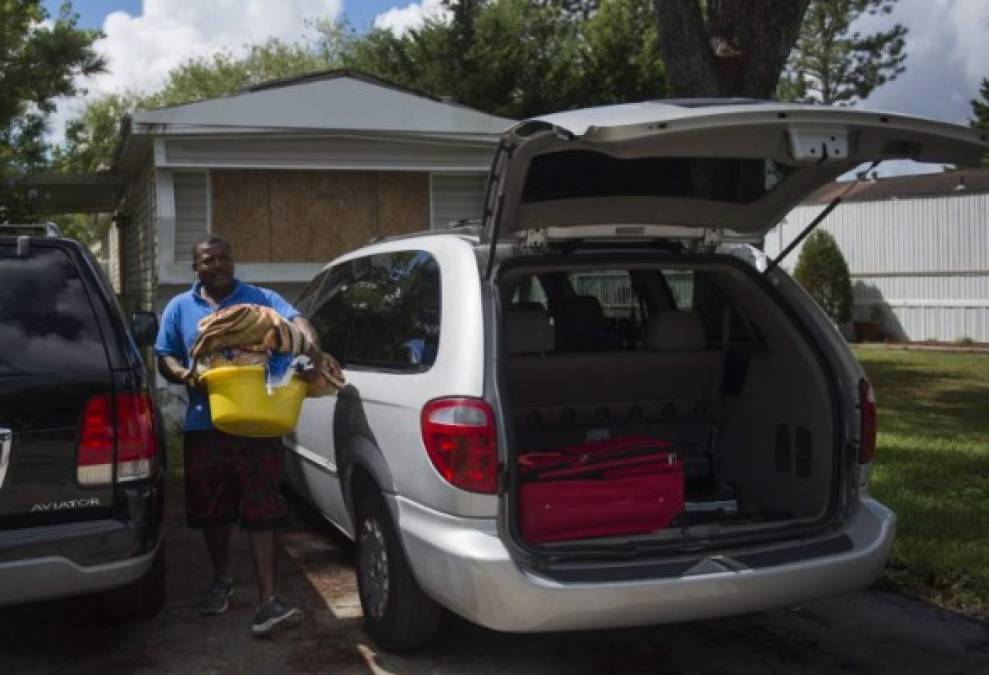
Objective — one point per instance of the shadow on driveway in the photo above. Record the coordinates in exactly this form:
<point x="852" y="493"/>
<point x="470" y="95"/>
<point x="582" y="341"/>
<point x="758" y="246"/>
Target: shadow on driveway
<point x="866" y="632"/>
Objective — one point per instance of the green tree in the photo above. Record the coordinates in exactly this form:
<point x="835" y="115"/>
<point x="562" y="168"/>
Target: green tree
<point x="980" y="113"/>
<point x="40" y="63"/>
<point x="621" y="54"/>
<point x="519" y="58"/>
<point x="822" y="271"/>
<point x="834" y="65"/>
<point x="223" y="74"/>
<point x="508" y="57"/>
<point x="91" y="138"/>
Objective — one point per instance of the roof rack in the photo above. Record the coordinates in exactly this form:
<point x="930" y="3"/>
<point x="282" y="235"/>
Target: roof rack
<point x="30" y="229"/>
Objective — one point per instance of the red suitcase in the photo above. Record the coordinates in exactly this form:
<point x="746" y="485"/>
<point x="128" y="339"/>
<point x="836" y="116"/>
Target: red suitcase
<point x="620" y="486"/>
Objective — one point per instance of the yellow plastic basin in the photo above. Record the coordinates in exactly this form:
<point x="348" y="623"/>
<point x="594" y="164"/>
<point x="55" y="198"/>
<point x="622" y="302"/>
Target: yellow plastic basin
<point x="240" y="404"/>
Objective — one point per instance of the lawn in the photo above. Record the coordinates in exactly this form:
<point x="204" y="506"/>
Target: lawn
<point x="933" y="470"/>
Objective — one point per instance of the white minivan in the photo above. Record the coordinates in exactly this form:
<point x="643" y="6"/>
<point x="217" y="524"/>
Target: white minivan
<point x="600" y="299"/>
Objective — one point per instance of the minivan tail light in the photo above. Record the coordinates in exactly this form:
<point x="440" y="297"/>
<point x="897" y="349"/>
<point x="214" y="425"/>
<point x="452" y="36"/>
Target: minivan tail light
<point x="124" y="422"/>
<point x="868" y="417"/>
<point x="460" y="439"/>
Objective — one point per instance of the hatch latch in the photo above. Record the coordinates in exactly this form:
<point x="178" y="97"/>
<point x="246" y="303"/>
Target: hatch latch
<point x="533" y="240"/>
<point x="712" y="238"/>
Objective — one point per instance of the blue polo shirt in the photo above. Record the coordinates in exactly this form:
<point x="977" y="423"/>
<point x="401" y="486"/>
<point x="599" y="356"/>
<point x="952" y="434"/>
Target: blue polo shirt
<point x="180" y="327"/>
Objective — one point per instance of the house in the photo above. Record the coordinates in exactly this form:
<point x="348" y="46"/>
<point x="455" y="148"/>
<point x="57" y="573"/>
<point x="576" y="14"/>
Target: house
<point x="917" y="249"/>
<point x="293" y="173"/>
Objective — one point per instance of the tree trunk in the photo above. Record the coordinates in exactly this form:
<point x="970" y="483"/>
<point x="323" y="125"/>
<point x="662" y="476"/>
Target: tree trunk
<point x="741" y="51"/>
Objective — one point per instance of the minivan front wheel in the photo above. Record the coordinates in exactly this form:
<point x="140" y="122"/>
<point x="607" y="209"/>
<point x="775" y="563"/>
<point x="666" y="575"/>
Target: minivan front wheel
<point x="397" y="614"/>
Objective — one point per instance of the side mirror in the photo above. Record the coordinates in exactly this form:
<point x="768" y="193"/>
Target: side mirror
<point x="145" y="328"/>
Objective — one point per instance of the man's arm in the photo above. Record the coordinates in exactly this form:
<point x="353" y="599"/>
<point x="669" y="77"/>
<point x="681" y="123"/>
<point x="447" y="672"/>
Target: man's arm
<point x="168" y="344"/>
<point x="173" y="371"/>
<point x="308" y="332"/>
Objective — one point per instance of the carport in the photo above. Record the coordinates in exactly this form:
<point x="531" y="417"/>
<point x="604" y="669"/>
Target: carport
<point x="98" y="194"/>
<point x="76" y="193"/>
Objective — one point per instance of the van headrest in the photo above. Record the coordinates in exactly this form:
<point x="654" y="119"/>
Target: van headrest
<point x="528" y="331"/>
<point x="675" y="331"/>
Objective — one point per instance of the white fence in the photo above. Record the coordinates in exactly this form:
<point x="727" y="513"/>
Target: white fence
<point x="923" y="263"/>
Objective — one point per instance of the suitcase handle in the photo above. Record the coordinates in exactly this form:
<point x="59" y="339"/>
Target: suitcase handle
<point x="578" y="461"/>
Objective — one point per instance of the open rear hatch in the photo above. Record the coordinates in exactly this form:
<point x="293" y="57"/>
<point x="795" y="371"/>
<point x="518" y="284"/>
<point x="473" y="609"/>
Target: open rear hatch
<point x="627" y="377"/>
<point x="689" y="170"/>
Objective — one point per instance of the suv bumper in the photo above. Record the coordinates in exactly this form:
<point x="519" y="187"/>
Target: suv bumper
<point x="57" y="576"/>
<point x="463" y="564"/>
<point x="77" y="558"/>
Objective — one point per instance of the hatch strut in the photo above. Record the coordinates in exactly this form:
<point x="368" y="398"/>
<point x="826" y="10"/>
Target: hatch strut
<point x="817" y="221"/>
<point x="492" y="211"/>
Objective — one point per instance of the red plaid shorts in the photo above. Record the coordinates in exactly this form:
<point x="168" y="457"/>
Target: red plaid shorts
<point x="227" y="477"/>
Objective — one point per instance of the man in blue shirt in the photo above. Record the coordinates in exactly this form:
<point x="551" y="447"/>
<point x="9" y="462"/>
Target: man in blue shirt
<point x="228" y="476"/>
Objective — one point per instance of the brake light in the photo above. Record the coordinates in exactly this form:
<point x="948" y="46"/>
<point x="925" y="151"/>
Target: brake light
<point x="460" y="439"/>
<point x="124" y="422"/>
<point x="868" y="417"/>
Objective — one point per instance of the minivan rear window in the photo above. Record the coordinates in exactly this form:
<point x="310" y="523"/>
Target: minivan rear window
<point x="47" y="323"/>
<point x="579" y="174"/>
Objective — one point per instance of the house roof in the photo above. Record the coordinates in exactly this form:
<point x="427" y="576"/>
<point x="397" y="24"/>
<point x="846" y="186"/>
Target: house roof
<point x="339" y="100"/>
<point x="947" y="183"/>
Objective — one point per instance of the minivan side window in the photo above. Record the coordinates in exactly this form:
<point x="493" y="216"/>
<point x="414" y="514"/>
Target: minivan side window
<point x="383" y="312"/>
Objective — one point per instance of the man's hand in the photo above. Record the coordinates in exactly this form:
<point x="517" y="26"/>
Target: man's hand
<point x="312" y="349"/>
<point x="176" y="373"/>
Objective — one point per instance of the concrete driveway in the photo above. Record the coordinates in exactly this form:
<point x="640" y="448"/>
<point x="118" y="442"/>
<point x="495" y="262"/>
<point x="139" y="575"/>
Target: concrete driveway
<point x="872" y="632"/>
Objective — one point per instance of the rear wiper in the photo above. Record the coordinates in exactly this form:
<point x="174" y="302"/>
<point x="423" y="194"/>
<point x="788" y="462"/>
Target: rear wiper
<point x="820" y="217"/>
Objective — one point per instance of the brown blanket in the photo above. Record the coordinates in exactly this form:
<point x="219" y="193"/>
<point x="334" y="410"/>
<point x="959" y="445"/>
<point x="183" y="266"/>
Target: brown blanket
<point x="244" y="325"/>
<point x="253" y="328"/>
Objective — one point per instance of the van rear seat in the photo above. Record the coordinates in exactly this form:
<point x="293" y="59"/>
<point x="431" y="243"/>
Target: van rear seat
<point x="560" y="399"/>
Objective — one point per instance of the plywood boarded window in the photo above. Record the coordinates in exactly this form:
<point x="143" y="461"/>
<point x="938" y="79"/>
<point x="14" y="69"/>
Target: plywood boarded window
<point x="314" y="216"/>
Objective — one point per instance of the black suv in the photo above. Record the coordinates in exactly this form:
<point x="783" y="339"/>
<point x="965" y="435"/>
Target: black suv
<point x="81" y="444"/>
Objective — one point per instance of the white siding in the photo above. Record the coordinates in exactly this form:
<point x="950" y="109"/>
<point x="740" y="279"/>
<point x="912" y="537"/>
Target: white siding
<point x="138" y="243"/>
<point x="191" y="211"/>
<point x="327" y="153"/>
<point x="456" y="196"/>
<point x="925" y="261"/>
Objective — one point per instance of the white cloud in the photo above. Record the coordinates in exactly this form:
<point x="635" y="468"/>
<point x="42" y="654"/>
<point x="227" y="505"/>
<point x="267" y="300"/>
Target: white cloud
<point x="140" y="50"/>
<point x="947" y="57"/>
<point x="399" y="20"/>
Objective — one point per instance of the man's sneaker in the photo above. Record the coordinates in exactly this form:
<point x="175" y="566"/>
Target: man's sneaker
<point x="273" y="615"/>
<point x="217" y="596"/>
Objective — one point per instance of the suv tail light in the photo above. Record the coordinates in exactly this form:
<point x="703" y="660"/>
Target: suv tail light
<point x="460" y="438"/>
<point x="867" y="415"/>
<point x="125" y="421"/>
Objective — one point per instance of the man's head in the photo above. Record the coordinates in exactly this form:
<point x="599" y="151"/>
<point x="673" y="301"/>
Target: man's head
<point x="213" y="262"/>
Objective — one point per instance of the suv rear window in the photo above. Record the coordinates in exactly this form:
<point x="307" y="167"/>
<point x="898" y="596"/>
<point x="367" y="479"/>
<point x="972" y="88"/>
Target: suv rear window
<point x="47" y="323"/>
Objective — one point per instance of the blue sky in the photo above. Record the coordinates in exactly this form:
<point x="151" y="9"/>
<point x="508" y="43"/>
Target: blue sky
<point x="91" y="13"/>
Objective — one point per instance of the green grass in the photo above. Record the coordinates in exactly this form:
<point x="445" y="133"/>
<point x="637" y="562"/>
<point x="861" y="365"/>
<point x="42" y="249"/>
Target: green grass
<point x="933" y="470"/>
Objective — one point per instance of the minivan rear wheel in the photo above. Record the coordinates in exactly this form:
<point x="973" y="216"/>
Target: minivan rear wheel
<point x="398" y="615"/>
